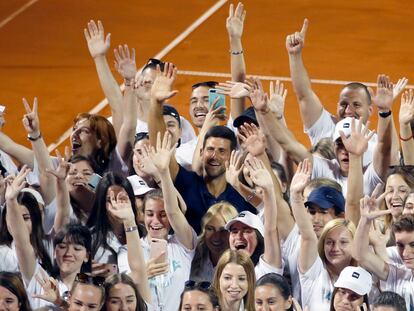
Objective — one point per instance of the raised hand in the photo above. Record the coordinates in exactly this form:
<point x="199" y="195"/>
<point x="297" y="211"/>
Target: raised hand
<point x="234" y="89"/>
<point x="369" y="206"/>
<point x="31" y="119"/>
<point x="259" y="98"/>
<point x="154" y="267"/>
<point x="357" y="142"/>
<point x="163" y="83"/>
<point x="399" y="87"/>
<point x="259" y="174"/>
<point x="125" y="62"/>
<point x="234" y="168"/>
<point x="235" y="21"/>
<point x="296" y="41"/>
<point x="64" y="166"/>
<point x="161" y="157"/>
<point x="98" y="44"/>
<point x="252" y="138"/>
<point x="16" y="184"/>
<point x="142" y="162"/>
<point x="301" y="177"/>
<point x="383" y="98"/>
<point x="277" y="99"/>
<point x="50" y="288"/>
<point x="120" y="207"/>
<point x="407" y="107"/>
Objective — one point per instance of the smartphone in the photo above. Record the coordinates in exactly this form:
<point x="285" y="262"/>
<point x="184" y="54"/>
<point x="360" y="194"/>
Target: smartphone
<point x="157" y="247"/>
<point x="94" y="181"/>
<point x="212" y="95"/>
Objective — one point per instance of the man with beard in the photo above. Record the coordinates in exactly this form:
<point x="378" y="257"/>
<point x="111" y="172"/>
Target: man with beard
<point x="198" y="192"/>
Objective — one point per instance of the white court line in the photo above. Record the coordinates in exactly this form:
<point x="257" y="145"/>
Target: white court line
<point x="14" y="14"/>
<point x="315" y="81"/>
<point x="160" y="55"/>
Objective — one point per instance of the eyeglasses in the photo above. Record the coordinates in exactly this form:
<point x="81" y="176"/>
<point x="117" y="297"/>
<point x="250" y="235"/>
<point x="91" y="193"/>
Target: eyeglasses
<point x="210" y="84"/>
<point x="190" y="284"/>
<point x="89" y="279"/>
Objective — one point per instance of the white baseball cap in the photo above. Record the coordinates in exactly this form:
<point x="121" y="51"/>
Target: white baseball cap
<point x="139" y="185"/>
<point x="248" y="219"/>
<point x="356" y="279"/>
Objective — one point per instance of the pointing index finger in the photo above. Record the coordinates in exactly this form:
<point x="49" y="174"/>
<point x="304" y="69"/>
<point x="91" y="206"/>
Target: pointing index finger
<point x="304" y="27"/>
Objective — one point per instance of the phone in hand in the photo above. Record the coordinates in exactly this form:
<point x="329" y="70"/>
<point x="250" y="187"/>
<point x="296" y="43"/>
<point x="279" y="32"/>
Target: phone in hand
<point x="94" y="181"/>
<point x="212" y="96"/>
<point x="157" y="247"/>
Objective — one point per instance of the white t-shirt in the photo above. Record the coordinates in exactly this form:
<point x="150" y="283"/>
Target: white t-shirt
<point x="394" y="256"/>
<point x="8" y="259"/>
<point x="316" y="287"/>
<point x="401" y="281"/>
<point x="184" y="153"/>
<point x="105" y="255"/>
<point x="167" y="288"/>
<point x="331" y="169"/>
<point x="34" y="287"/>
<point x="290" y="254"/>
<point x="263" y="268"/>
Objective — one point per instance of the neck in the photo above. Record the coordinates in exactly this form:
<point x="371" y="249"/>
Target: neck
<point x="214" y="257"/>
<point x="217" y="185"/>
<point x="231" y="305"/>
<point x="68" y="278"/>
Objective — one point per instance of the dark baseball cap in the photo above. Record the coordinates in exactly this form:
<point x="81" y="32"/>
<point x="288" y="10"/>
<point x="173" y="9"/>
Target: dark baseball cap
<point x="326" y="197"/>
<point x="248" y="116"/>
<point x="171" y="111"/>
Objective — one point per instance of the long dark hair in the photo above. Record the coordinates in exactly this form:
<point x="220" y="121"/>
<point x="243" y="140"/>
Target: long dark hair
<point x="260" y="248"/>
<point x="279" y="282"/>
<point x="37" y="236"/>
<point x="124" y="279"/>
<point x="75" y="234"/>
<point x="13" y="283"/>
<point x="99" y="220"/>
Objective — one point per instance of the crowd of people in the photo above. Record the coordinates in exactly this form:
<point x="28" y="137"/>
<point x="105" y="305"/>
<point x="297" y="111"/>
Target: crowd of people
<point x="141" y="213"/>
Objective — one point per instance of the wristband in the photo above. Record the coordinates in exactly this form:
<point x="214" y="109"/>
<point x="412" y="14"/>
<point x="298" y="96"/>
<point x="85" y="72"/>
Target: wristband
<point x="406" y="139"/>
<point x="34" y="138"/>
<point x="236" y="52"/>
<point x="131" y="229"/>
<point x="384" y="114"/>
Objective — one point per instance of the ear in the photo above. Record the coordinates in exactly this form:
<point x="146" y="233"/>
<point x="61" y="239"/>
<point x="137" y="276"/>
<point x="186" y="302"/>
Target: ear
<point x="99" y="143"/>
<point x="370" y="109"/>
<point x="288" y="303"/>
<point x="86" y="258"/>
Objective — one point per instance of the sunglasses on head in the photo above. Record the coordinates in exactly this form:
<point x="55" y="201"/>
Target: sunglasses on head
<point x="89" y="279"/>
<point x="190" y="284"/>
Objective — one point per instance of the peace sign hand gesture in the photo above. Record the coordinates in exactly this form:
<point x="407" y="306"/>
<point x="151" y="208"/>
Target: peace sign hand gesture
<point x="31" y="119"/>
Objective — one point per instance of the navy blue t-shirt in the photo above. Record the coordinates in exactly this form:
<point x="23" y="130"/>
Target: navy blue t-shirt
<point x="194" y="191"/>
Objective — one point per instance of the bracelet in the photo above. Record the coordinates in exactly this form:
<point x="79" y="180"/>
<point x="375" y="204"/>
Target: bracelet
<point x="384" y="114"/>
<point x="406" y="139"/>
<point x="251" y="196"/>
<point x="236" y="52"/>
<point x="131" y="229"/>
<point x="34" y="138"/>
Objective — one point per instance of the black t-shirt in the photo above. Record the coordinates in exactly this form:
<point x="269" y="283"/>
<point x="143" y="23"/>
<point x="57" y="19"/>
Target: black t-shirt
<point x="194" y="191"/>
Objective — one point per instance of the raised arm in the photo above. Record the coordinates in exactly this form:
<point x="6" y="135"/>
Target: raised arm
<point x="160" y="92"/>
<point x="361" y="251"/>
<point x="406" y="135"/>
<point x="309" y="104"/>
<point x="161" y="159"/>
<point x="383" y="100"/>
<point x="234" y="25"/>
<point x="121" y="208"/>
<point x="356" y="144"/>
<point x="21" y="237"/>
<point x="98" y="45"/>
<point x="264" y="185"/>
<point x="63" y="208"/>
<point x="32" y="127"/>
<point x="309" y="242"/>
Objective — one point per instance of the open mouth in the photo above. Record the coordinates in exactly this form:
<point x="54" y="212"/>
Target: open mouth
<point x="75" y="145"/>
<point x="240" y="246"/>
<point x="79" y="184"/>
<point x="213" y="163"/>
<point x="156" y="228"/>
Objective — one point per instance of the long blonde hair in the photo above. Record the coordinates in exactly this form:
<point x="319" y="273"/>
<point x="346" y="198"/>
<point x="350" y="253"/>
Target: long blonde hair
<point x="240" y="258"/>
<point x="225" y="210"/>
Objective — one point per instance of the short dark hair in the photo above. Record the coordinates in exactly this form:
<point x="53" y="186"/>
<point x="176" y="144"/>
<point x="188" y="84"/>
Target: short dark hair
<point x="209" y="84"/>
<point x="152" y="64"/>
<point x="404" y="223"/>
<point x="221" y="132"/>
<point x="279" y="282"/>
<point x="359" y="85"/>
<point x="390" y="299"/>
<point x="140" y="136"/>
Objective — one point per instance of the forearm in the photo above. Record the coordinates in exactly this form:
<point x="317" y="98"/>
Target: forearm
<point x="126" y="137"/>
<point x="355" y="186"/>
<point x="20" y="153"/>
<point x="197" y="164"/>
<point x="136" y="259"/>
<point x="302" y="218"/>
<point x="156" y="121"/>
<point x="395" y="145"/>
<point x="272" y="145"/>
<point x="238" y="73"/>
<point x="382" y="154"/>
<point x="111" y="90"/>
<point x="272" y="253"/>
<point x="407" y="143"/>
<point x="248" y="194"/>
<point x="62" y="216"/>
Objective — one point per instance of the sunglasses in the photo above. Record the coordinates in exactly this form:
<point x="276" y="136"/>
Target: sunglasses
<point x="190" y="284"/>
<point x="89" y="279"/>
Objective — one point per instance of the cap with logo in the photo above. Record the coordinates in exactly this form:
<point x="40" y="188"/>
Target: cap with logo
<point x="249" y="219"/>
<point x="356" y="279"/>
<point x="139" y="185"/>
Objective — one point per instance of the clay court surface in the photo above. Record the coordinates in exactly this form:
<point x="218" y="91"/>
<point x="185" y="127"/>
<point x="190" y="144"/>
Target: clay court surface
<point x="43" y="52"/>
